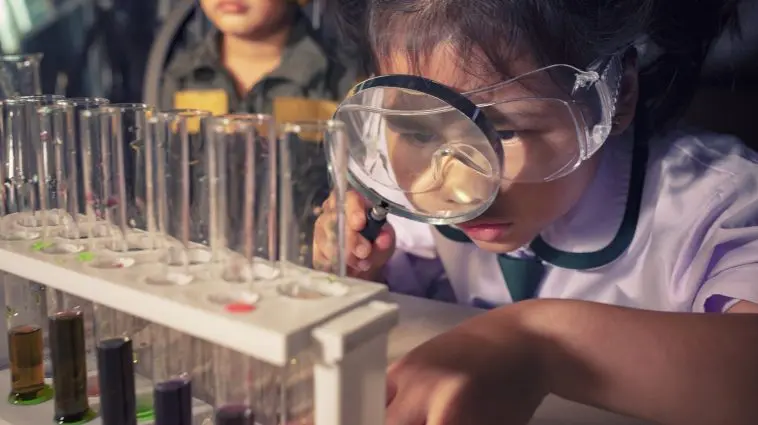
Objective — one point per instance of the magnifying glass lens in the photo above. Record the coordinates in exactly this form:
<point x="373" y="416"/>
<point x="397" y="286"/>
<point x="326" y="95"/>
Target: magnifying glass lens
<point x="419" y="154"/>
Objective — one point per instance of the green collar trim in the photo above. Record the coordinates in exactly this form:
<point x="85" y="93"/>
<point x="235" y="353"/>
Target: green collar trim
<point x="603" y="256"/>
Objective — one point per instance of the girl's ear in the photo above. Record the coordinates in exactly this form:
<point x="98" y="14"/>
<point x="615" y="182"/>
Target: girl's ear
<point x="628" y="94"/>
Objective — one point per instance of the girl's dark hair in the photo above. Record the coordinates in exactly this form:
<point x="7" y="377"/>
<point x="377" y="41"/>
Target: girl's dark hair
<point x="491" y="32"/>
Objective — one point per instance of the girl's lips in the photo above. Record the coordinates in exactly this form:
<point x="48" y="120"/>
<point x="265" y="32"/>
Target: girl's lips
<point x="486" y="232"/>
<point x="232" y="7"/>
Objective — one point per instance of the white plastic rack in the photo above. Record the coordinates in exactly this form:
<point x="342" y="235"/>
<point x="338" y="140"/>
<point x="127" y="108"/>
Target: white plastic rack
<point x="350" y="327"/>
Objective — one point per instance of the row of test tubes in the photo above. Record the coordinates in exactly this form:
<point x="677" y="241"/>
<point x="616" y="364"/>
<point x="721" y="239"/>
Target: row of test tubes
<point x="126" y="184"/>
<point x="197" y="197"/>
<point x="128" y="371"/>
<point x="187" y="197"/>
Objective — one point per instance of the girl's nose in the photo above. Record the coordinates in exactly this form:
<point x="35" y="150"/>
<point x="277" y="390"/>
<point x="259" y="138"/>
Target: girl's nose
<point x="465" y="186"/>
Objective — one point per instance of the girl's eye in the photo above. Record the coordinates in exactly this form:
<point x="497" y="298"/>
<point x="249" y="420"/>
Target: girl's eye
<point x="506" y="135"/>
<point x="417" y="137"/>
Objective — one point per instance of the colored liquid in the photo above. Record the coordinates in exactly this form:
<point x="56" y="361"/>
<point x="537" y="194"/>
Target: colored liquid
<point x="172" y="400"/>
<point x="115" y="360"/>
<point x="77" y="419"/>
<point x="68" y="355"/>
<point x="145" y="410"/>
<point x="25" y="346"/>
<point x="234" y="414"/>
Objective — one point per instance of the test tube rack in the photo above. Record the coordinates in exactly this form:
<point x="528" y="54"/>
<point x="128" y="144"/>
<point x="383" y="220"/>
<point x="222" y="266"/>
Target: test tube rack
<point x="350" y="329"/>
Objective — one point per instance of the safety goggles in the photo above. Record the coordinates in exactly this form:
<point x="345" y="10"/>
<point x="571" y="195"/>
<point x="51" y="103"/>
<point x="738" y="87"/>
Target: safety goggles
<point x="432" y="154"/>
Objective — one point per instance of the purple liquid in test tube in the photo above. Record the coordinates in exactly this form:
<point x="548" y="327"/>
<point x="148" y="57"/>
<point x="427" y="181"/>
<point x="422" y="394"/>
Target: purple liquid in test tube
<point x="115" y="365"/>
<point x="172" y="402"/>
<point x="234" y="414"/>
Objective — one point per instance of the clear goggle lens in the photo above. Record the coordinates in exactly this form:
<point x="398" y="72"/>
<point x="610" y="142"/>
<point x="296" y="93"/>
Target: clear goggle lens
<point x="441" y="157"/>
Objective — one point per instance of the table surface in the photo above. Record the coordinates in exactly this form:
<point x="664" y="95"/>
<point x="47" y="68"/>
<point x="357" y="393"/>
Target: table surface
<point x="422" y="319"/>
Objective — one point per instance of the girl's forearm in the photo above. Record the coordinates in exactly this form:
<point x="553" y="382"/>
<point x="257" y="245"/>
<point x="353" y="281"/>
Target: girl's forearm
<point x="667" y="367"/>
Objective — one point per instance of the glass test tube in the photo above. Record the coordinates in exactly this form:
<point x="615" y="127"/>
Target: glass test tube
<point x="21" y="173"/>
<point x="177" y="193"/>
<point x="172" y="359"/>
<point x="113" y="145"/>
<point x="58" y="302"/>
<point x="242" y="169"/>
<point x="232" y="374"/>
<point x="68" y="355"/>
<point x="173" y="366"/>
<point x="4" y="181"/>
<point x="202" y="374"/>
<point x="26" y="311"/>
<point x="313" y="162"/>
<point x="74" y="229"/>
<point x="172" y="354"/>
<point x="50" y="137"/>
<point x="115" y="367"/>
<point x="93" y="125"/>
<point x="173" y="402"/>
<point x="113" y="324"/>
<point x="13" y="132"/>
<point x="297" y="396"/>
<point x="20" y="76"/>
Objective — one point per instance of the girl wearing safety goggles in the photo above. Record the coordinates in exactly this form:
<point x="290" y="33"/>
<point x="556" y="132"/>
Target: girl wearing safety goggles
<point x="530" y="145"/>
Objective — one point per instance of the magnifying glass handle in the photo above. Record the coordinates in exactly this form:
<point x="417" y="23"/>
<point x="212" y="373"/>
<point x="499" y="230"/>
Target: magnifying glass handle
<point x="375" y="219"/>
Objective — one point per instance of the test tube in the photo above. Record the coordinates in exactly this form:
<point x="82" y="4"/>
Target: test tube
<point x="173" y="358"/>
<point x="297" y="396"/>
<point x="173" y="366"/>
<point x="95" y="143"/>
<point x="116" y="377"/>
<point x="19" y="75"/>
<point x="202" y="375"/>
<point x="242" y="168"/>
<point x="26" y="312"/>
<point x="232" y="374"/>
<point x="114" y="324"/>
<point x="177" y="193"/>
<point x="50" y="137"/>
<point x="58" y="302"/>
<point x="21" y="173"/>
<point x="313" y="161"/>
<point x="172" y="354"/>
<point x="173" y="402"/>
<point x="14" y="131"/>
<point x="73" y="230"/>
<point x="113" y="146"/>
<point x="3" y="179"/>
<point x="68" y="355"/>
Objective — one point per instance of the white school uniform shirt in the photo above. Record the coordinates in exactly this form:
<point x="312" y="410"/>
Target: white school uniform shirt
<point x="693" y="236"/>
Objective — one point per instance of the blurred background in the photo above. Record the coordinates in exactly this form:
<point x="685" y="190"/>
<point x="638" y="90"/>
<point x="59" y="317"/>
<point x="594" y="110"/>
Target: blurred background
<point x="100" y="47"/>
<point x="103" y="48"/>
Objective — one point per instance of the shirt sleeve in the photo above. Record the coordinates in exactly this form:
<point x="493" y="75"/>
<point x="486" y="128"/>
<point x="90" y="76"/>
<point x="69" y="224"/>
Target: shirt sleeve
<point x="415" y="269"/>
<point x="419" y="277"/>
<point x="729" y="253"/>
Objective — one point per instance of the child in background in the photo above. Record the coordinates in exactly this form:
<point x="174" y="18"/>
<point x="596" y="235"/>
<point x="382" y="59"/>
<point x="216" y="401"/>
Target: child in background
<point x="259" y="51"/>
<point x="609" y="246"/>
<point x="264" y="58"/>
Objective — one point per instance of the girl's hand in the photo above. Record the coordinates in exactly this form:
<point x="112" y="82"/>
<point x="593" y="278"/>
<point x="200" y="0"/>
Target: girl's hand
<point x="467" y="376"/>
<point x="365" y="260"/>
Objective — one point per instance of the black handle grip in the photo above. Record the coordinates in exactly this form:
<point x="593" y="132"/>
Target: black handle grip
<point x="374" y="225"/>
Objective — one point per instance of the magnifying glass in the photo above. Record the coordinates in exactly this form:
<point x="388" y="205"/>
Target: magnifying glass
<point x="420" y="150"/>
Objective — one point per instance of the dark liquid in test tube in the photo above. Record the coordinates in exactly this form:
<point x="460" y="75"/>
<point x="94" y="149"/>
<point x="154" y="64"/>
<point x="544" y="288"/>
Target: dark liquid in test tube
<point x="25" y="346"/>
<point x="115" y="368"/>
<point x="68" y="356"/>
<point x="234" y="414"/>
<point x="172" y="401"/>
